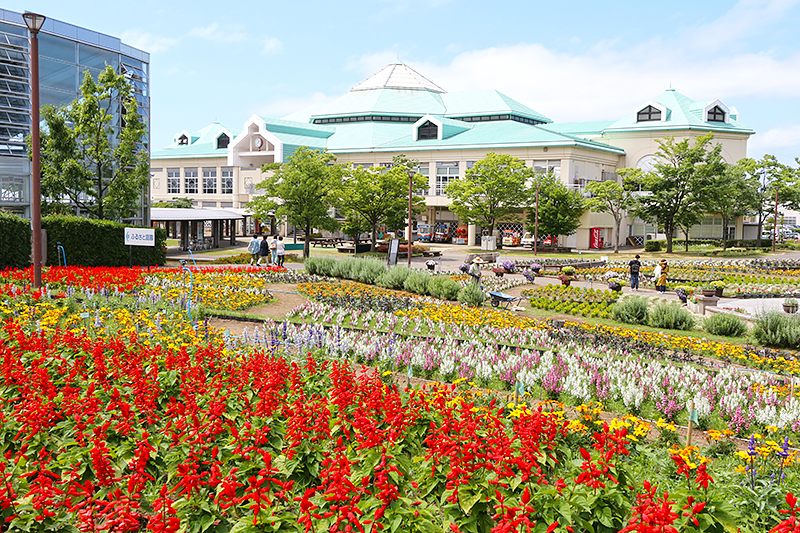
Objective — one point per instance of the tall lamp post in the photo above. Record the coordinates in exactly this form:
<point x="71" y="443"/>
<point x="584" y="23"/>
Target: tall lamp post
<point x="34" y="23"/>
<point x="411" y="173"/>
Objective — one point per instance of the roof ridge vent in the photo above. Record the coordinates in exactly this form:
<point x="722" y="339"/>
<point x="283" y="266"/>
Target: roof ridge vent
<point x="398" y="76"/>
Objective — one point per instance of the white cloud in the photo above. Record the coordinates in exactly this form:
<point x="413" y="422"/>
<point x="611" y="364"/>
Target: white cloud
<point x="146" y="41"/>
<point x="775" y="138"/>
<point x="284" y="106"/>
<point x="218" y="34"/>
<point x="272" y="45"/>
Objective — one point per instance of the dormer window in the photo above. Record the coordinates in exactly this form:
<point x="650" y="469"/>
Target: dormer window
<point x="223" y="141"/>
<point x="715" y="114"/>
<point x="429" y="130"/>
<point x="183" y="140"/>
<point x="648" y="114"/>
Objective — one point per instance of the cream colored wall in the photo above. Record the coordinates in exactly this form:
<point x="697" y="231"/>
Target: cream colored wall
<point x="640" y="144"/>
<point x="242" y="177"/>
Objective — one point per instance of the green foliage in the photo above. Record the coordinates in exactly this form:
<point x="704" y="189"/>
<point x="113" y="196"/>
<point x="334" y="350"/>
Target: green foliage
<point x="394" y="278"/>
<point x="560" y="209"/>
<point x="767" y="175"/>
<point x="15" y="241"/>
<point x="652" y="246"/>
<point x="418" y="282"/>
<point x="472" y="295"/>
<point x="369" y="270"/>
<point x="444" y="287"/>
<point x="321" y="266"/>
<point x="180" y="203"/>
<point x="631" y="310"/>
<point x="79" y="160"/>
<point x="777" y="329"/>
<point x="492" y="189"/>
<point x="671" y="316"/>
<point x="89" y="242"/>
<point x="372" y="196"/>
<point x="725" y="325"/>
<point x="612" y="198"/>
<point x="306" y="185"/>
<point x="679" y="183"/>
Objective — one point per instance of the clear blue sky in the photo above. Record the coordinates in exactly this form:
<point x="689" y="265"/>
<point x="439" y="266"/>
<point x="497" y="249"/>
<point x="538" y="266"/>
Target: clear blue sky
<point x="572" y="61"/>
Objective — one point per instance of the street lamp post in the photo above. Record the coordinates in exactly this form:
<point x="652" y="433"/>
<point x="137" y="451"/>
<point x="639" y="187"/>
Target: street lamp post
<point x="411" y="173"/>
<point x="34" y="23"/>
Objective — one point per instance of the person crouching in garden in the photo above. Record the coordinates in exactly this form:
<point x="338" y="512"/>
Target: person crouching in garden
<point x="475" y="270"/>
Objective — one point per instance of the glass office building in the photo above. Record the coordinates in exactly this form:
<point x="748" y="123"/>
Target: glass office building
<point x="66" y="52"/>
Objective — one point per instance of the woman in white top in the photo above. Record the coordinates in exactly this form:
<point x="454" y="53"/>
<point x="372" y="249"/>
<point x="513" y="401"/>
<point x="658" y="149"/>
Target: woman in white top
<point x="281" y="251"/>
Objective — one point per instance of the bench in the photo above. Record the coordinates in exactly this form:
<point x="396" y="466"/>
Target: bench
<point x="326" y="241"/>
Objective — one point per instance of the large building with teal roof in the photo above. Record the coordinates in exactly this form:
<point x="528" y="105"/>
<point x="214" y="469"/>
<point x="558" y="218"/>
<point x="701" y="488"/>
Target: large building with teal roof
<point x="399" y="111"/>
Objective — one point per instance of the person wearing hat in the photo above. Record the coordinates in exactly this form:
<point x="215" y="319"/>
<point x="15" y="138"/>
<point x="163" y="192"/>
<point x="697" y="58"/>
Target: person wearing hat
<point x="475" y="270"/>
<point x="661" y="283"/>
<point x="635" y="265"/>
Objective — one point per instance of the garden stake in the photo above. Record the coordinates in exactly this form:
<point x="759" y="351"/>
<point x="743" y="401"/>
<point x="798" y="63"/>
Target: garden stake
<point x="691" y="425"/>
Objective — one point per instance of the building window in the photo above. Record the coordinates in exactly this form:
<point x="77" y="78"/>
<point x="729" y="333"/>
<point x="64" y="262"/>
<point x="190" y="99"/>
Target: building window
<point x="648" y="114"/>
<point x="544" y="166"/>
<point x="445" y="173"/>
<point x="190" y="180"/>
<point x="429" y="130"/>
<point x="364" y="118"/>
<point x="209" y="180"/>
<point x="12" y="190"/>
<point x="709" y="228"/>
<point x="715" y="114"/>
<point x="223" y="141"/>
<point x="183" y="139"/>
<point x="425" y="170"/>
<point x="227" y="180"/>
<point x="209" y="204"/>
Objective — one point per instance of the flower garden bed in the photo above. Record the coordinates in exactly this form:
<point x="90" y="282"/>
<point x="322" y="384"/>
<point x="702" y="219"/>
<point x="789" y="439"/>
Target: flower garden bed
<point x="134" y="416"/>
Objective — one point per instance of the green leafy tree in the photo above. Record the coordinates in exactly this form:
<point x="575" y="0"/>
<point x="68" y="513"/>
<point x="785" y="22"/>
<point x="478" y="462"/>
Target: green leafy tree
<point x="491" y="190"/>
<point x="735" y="195"/>
<point x="560" y="209"/>
<point x="768" y="174"/>
<point x="303" y="189"/>
<point x="610" y="197"/>
<point x="83" y="163"/>
<point x="373" y="196"/>
<point x="675" y="189"/>
<point x="181" y="203"/>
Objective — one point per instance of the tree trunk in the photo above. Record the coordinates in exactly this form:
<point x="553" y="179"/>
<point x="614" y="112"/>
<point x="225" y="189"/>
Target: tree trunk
<point x="668" y="229"/>
<point x="307" y="242"/>
<point x="760" y="230"/>
<point x="374" y="246"/>
<point x="724" y="233"/>
<point x="617" y="221"/>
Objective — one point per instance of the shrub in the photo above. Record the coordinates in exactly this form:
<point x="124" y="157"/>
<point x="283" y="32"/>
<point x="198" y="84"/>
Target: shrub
<point x="321" y="266"/>
<point x="444" y="288"/>
<point x="652" y="246"/>
<point x="394" y="278"/>
<point x="671" y="316"/>
<point x="631" y="310"/>
<point x="369" y="270"/>
<point x="777" y="329"/>
<point x="471" y="295"/>
<point x="15" y="241"/>
<point x="346" y="268"/>
<point x="417" y="281"/>
<point x="725" y="325"/>
<point x="89" y="242"/>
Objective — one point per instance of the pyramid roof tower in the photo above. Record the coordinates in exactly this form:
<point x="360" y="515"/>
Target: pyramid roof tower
<point x="398" y="76"/>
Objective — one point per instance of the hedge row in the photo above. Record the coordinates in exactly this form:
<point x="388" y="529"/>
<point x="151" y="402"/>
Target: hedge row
<point x="661" y="244"/>
<point x="15" y="241"/>
<point x="86" y="242"/>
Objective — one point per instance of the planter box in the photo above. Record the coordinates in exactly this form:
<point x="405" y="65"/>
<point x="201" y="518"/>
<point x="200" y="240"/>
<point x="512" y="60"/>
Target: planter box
<point x="789" y="308"/>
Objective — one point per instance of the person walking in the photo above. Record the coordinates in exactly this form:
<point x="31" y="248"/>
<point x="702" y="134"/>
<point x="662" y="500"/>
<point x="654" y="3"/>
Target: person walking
<point x="634" y="266"/>
<point x="281" y="251"/>
<point x="253" y="248"/>
<point x="263" y="251"/>
<point x="273" y="249"/>
<point x="661" y="284"/>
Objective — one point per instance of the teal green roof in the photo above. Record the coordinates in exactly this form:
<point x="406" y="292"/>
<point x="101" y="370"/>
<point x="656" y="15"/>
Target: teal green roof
<point x="579" y="128"/>
<point x="682" y="113"/>
<point x="291" y="127"/>
<point x="487" y="102"/>
<point x="407" y="102"/>
<point x="203" y="143"/>
<point x="377" y="136"/>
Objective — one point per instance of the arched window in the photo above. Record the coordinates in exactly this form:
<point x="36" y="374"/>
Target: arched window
<point x="223" y="141"/>
<point x="183" y="139"/>
<point x="429" y="130"/>
<point x="648" y="114"/>
<point x="715" y="114"/>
